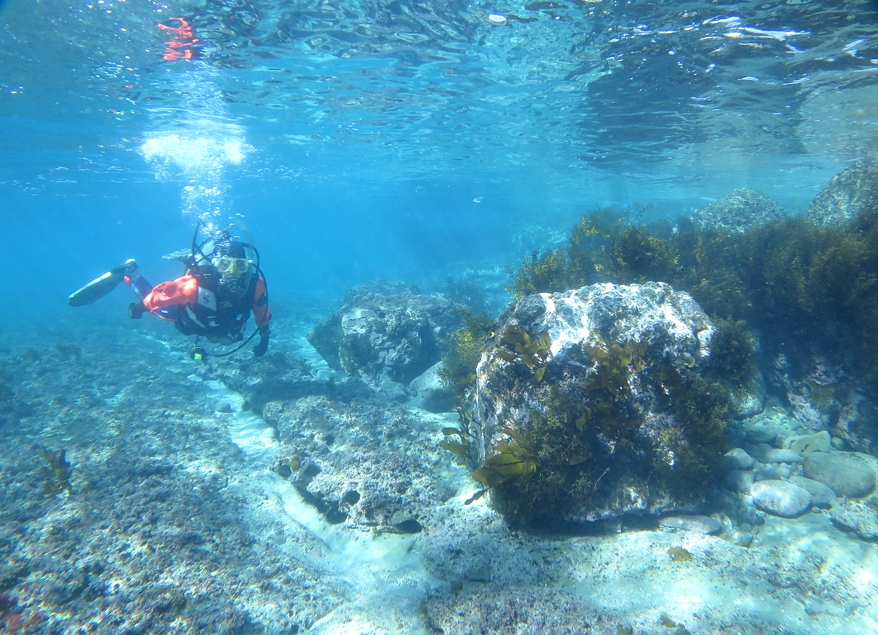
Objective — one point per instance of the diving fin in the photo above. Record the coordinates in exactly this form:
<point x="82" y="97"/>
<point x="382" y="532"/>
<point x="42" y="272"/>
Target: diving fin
<point x="99" y="287"/>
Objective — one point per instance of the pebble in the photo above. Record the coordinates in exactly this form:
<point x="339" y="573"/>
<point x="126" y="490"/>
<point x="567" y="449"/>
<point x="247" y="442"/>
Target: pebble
<point x="774" y="471"/>
<point x="753" y="516"/>
<point x="821" y="495"/>
<point x="780" y="498"/>
<point x="777" y="455"/>
<point x="842" y="472"/>
<point x="738" y="459"/>
<point x="743" y="538"/>
<point x="699" y="524"/>
<point x="738" y="481"/>
<point x="761" y="434"/>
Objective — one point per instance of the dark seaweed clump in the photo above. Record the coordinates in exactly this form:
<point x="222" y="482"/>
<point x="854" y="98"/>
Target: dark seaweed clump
<point x="789" y="280"/>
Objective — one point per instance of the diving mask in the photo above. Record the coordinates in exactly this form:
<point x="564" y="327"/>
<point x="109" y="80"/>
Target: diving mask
<point x="228" y="266"/>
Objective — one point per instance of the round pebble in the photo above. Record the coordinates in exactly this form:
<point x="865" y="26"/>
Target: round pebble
<point x="842" y="472"/>
<point x="698" y="524"/>
<point x="738" y="459"/>
<point x="774" y="471"/>
<point x="753" y="516"/>
<point x="778" y="455"/>
<point x="738" y="481"/>
<point x="761" y="434"/>
<point x="821" y="495"/>
<point x="780" y="498"/>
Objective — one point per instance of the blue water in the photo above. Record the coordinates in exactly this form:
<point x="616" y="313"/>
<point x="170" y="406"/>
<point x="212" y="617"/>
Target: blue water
<point x="409" y="141"/>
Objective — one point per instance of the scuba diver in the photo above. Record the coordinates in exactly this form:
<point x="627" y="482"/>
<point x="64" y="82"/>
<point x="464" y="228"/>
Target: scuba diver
<point x="222" y="284"/>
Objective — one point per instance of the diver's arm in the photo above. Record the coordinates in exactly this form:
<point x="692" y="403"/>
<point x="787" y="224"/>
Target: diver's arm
<point x="180" y="291"/>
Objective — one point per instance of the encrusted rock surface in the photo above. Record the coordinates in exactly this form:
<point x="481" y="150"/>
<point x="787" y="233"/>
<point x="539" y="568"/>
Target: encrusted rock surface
<point x="846" y="195"/>
<point x="386" y="332"/>
<point x="739" y="211"/>
<point x="631" y="455"/>
<point x="152" y="532"/>
<point x="858" y="517"/>
<point x="519" y="611"/>
<point x="364" y="462"/>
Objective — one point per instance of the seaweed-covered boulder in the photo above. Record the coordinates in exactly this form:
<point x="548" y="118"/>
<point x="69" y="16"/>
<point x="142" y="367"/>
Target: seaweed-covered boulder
<point x="595" y="403"/>
<point x="846" y="195"/>
<point x="386" y="332"/>
<point x="738" y="211"/>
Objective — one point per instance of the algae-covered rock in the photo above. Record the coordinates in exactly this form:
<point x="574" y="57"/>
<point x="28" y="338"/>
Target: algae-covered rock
<point x="739" y="211"/>
<point x="592" y="403"/>
<point x="846" y="195"/>
<point x="386" y="332"/>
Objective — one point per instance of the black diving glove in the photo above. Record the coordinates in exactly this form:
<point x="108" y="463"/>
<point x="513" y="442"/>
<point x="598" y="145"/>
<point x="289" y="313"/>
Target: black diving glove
<point x="136" y="310"/>
<point x="260" y="349"/>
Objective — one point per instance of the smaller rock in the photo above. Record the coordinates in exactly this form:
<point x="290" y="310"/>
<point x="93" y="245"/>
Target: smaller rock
<point x="758" y="450"/>
<point x="777" y="455"/>
<point x="821" y="495"/>
<point x="696" y="524"/>
<point x="431" y="393"/>
<point x="773" y="471"/>
<point x="805" y="444"/>
<point x="224" y="407"/>
<point x="780" y="498"/>
<point x="393" y="390"/>
<point x="842" y="472"/>
<point x="738" y="459"/>
<point x="753" y="516"/>
<point x="761" y="434"/>
<point x="743" y="538"/>
<point x="739" y="481"/>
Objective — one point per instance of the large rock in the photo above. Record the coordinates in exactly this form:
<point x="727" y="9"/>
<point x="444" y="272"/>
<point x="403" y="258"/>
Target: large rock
<point x="842" y="472"/>
<point x="590" y="404"/>
<point x="846" y="195"/>
<point x="739" y="211"/>
<point x="386" y="332"/>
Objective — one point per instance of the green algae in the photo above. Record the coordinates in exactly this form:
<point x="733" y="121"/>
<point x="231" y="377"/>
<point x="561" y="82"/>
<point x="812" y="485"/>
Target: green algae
<point x="554" y="457"/>
<point x="57" y="473"/>
<point x="678" y="554"/>
<point x="788" y="280"/>
<point x="465" y="347"/>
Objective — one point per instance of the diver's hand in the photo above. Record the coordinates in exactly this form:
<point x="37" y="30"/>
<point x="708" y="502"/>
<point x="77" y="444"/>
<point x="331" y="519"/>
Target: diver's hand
<point x="260" y="349"/>
<point x="136" y="310"/>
